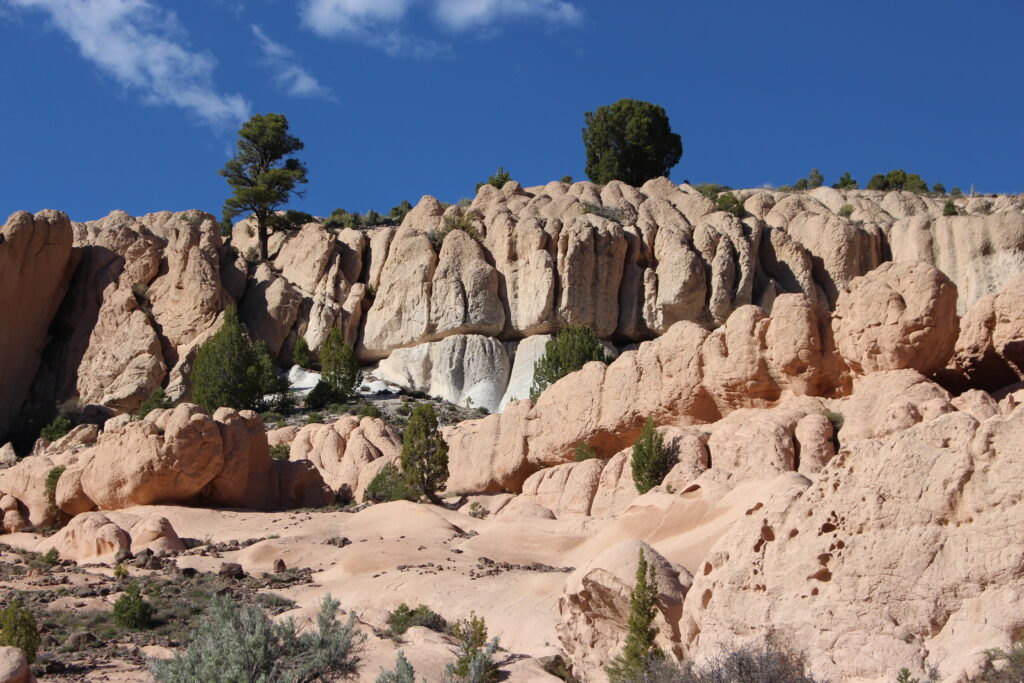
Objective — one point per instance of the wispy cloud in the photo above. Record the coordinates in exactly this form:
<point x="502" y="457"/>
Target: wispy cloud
<point x="288" y="74"/>
<point x="144" y="48"/>
<point x="459" y="15"/>
<point x="378" y="22"/>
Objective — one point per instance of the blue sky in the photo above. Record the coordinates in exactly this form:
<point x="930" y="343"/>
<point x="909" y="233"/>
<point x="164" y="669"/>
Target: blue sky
<point x="134" y="104"/>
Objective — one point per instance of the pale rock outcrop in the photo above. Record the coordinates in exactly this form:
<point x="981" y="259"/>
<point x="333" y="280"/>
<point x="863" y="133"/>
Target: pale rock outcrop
<point x="839" y="249"/>
<point x="93" y="536"/>
<point x="980" y="254"/>
<point x="595" y="604"/>
<point x="123" y="374"/>
<point x="565" y="489"/>
<point x="345" y="451"/>
<point x="886" y="402"/>
<point x="525" y="355"/>
<point x="400" y="315"/>
<point x="990" y="348"/>
<point x="900" y="315"/>
<point x="35" y="268"/>
<point x="14" y="666"/>
<point x="897" y="544"/>
<point x="89" y="536"/>
<point x="144" y="464"/>
<point x="813" y="437"/>
<point x="269" y="308"/>
<point x="468" y="370"/>
<point x="8" y="456"/>
<point x="977" y="403"/>
<point x="615" y="489"/>
<point x="244" y="478"/>
<point x="464" y="290"/>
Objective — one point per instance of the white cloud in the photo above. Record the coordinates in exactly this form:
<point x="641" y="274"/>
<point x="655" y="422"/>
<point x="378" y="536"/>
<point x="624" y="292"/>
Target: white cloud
<point x="459" y="15"/>
<point x="288" y="75"/>
<point x="375" y="22"/>
<point x="142" y="47"/>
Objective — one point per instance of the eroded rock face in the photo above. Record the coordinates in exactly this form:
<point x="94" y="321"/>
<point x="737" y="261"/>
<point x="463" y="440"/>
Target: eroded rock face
<point x="896" y="544"/>
<point x="35" y="266"/>
<point x="990" y="348"/>
<point x="901" y="315"/>
<point x="468" y="370"/>
<point x="594" y="606"/>
<point x="176" y="456"/>
<point x="348" y="453"/>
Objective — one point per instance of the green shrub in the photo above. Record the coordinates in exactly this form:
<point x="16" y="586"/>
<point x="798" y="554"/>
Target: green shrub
<point x="131" y="610"/>
<point x="898" y="180"/>
<point x="475" y="656"/>
<point x="1003" y="666"/>
<point x="815" y="179"/>
<point x="609" y="212"/>
<point x="388" y="485"/>
<point x="765" y="663"/>
<point x="321" y="396"/>
<point x="274" y="418"/>
<point x="651" y="460"/>
<point x="18" y="629"/>
<point x="939" y="188"/>
<point x="498" y="180"/>
<point x="712" y="190"/>
<point x="51" y="557"/>
<point x="403" y="672"/>
<point x="584" y="452"/>
<point x="424" y="453"/>
<point x="956" y="192"/>
<point x="403" y="617"/>
<point x="280" y="451"/>
<point x="57" y="429"/>
<point x="567" y="179"/>
<point x="477" y="510"/>
<point x="845" y="182"/>
<point x="729" y="203"/>
<point x="837" y="421"/>
<point x="569" y="351"/>
<point x="340" y="369"/>
<point x="631" y="141"/>
<point x="300" y="353"/>
<point x="52" y="477"/>
<point x="314" y="418"/>
<point x="397" y="213"/>
<point x="236" y="644"/>
<point x="292" y="220"/>
<point x="949" y="209"/>
<point x="157" y="401"/>
<point x="463" y="223"/>
<point x="368" y="410"/>
<point x="846" y="210"/>
<point x="639" y="651"/>
<point x="232" y="370"/>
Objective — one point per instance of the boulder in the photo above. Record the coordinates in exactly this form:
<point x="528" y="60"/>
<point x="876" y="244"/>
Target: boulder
<point x="595" y="604"/>
<point x="990" y="347"/>
<point x="35" y="267"/>
<point x="566" y="489"/>
<point x="88" y="537"/>
<point x="14" y="666"/>
<point x="901" y="315"/>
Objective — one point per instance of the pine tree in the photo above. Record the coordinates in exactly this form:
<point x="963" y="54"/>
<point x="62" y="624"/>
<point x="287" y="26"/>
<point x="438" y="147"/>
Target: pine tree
<point x="631" y="141"/>
<point x="650" y="459"/>
<point x="573" y="348"/>
<point x="425" y="453"/>
<point x="640" y="650"/>
<point x="340" y="369"/>
<point x="232" y="370"/>
<point x="300" y="353"/>
<point x="262" y="179"/>
<point x="18" y="629"/>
